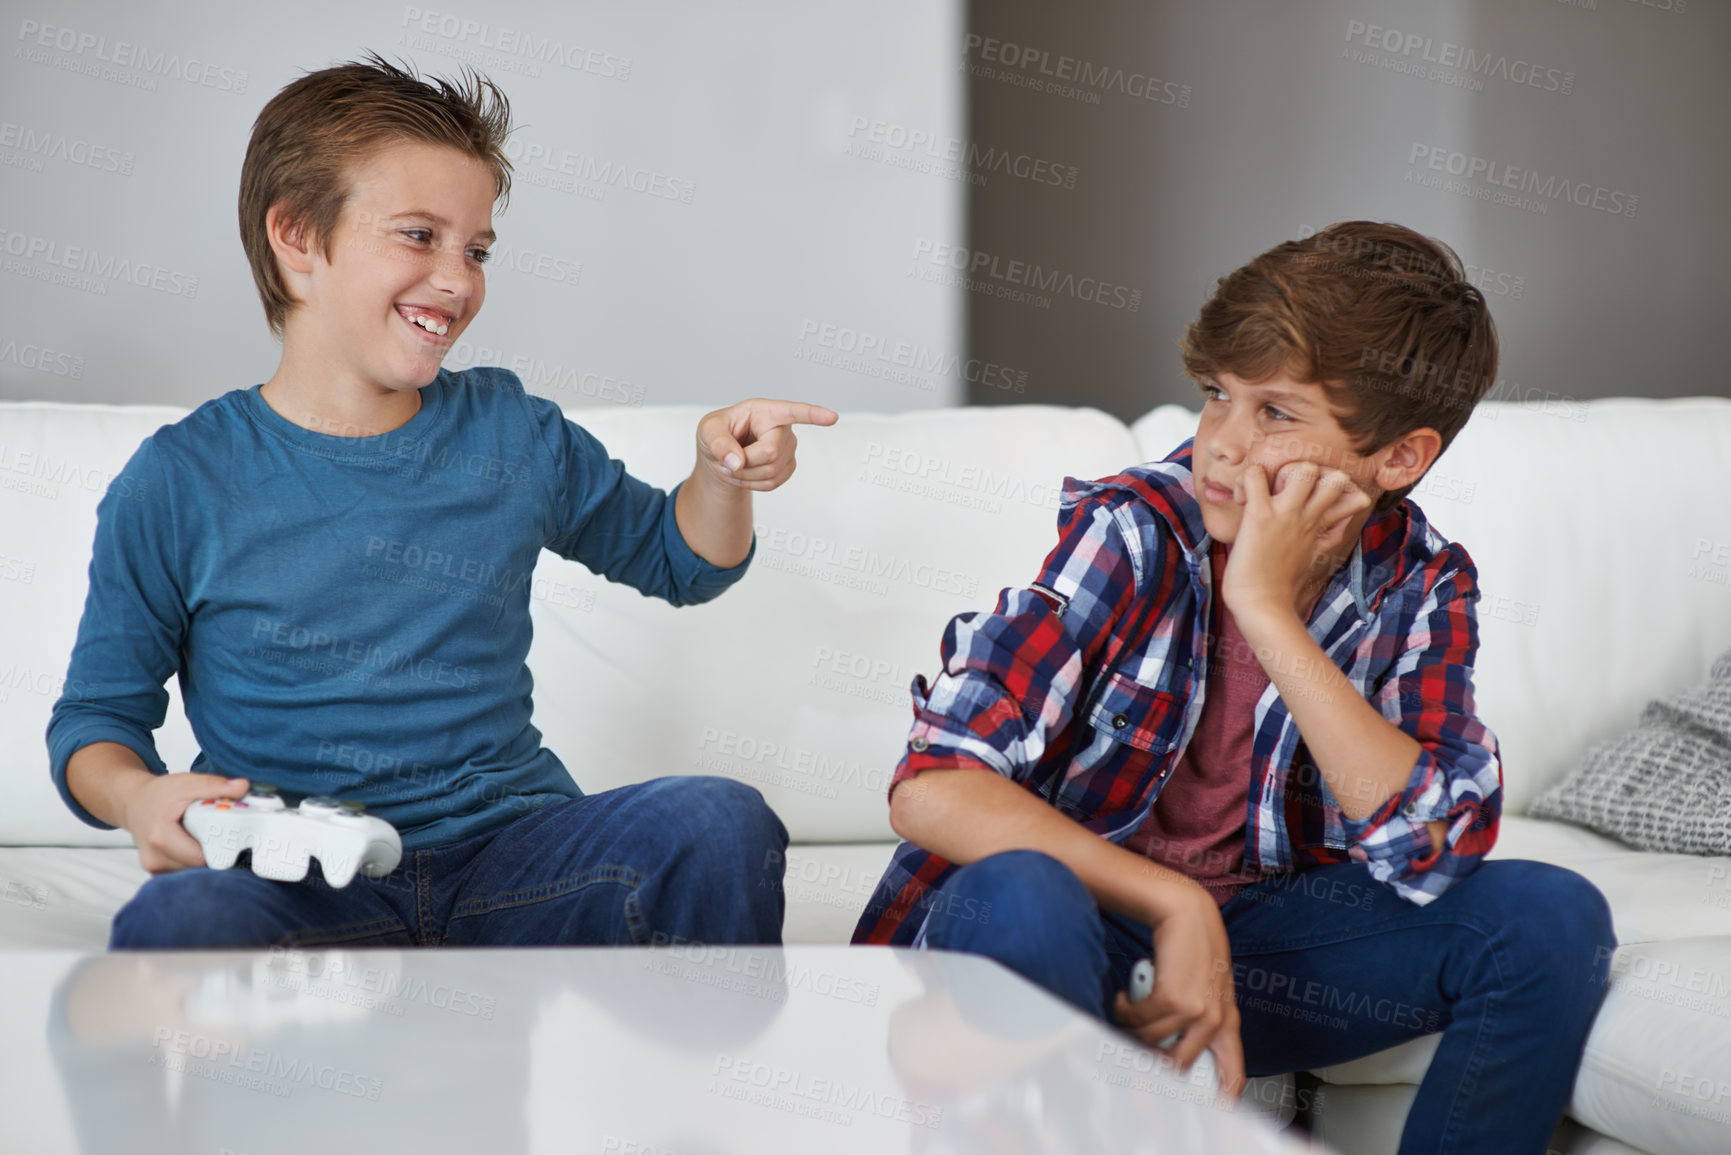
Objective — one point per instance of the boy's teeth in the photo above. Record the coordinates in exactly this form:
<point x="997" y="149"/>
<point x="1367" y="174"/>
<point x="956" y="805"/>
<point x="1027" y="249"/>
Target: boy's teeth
<point x="431" y="325"/>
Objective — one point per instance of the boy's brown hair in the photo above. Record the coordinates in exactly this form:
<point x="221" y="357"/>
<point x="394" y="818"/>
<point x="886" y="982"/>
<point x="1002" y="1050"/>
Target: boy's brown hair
<point x="1381" y="317"/>
<point x="312" y="133"/>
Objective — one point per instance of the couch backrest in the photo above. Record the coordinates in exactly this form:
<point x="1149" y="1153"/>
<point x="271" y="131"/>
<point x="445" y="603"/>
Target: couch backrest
<point x="795" y="681"/>
<point x="1602" y="535"/>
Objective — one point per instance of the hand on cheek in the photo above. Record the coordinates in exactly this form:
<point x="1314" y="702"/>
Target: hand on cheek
<point x="1288" y="527"/>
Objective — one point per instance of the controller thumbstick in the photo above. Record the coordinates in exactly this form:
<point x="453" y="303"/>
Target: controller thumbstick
<point x="263" y="796"/>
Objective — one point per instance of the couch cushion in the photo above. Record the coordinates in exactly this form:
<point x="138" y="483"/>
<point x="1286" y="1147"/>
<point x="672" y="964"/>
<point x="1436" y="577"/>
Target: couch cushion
<point x="827" y="886"/>
<point x="1657" y="1069"/>
<point x="55" y="464"/>
<point x="1570" y="510"/>
<point x="796" y="680"/>
<point x="63" y="898"/>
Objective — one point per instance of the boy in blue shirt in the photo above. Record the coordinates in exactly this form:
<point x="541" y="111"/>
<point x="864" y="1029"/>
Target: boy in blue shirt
<point x="337" y="565"/>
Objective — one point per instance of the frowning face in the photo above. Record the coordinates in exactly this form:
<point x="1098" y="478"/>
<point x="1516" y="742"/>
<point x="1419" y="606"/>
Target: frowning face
<point x="1270" y="423"/>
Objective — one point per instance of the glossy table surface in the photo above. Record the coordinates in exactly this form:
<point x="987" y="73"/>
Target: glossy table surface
<point x="635" y="1051"/>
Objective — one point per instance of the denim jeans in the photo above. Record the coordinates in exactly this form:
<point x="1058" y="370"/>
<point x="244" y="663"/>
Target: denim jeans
<point x="684" y="858"/>
<point x="1329" y="965"/>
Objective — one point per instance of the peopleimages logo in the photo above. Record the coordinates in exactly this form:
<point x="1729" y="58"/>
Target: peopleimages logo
<point x="284" y="639"/>
<point x="515" y="42"/>
<point x="854" y="566"/>
<point x="587" y="171"/>
<point x="87" y="269"/>
<point x="280" y="1073"/>
<point x="956" y="482"/>
<point x="980" y="271"/>
<point x="949" y="156"/>
<point x="44" y="467"/>
<point x="1061" y="74"/>
<point x="43" y="144"/>
<point x="1452" y="57"/>
<point x="828" y="1100"/>
<point x="87" y="47"/>
<point x="1485" y="179"/>
<point x="41" y="358"/>
<point x="858" y="349"/>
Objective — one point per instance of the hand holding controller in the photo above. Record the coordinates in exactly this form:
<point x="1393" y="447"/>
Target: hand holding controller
<point x="1202" y="1072"/>
<point x="283" y="841"/>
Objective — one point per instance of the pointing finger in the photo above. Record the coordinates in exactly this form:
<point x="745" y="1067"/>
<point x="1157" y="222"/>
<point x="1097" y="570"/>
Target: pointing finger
<point x="766" y="415"/>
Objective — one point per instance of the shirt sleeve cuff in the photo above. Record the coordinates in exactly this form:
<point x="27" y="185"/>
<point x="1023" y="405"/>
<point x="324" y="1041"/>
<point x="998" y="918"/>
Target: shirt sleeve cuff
<point x="1420" y="800"/>
<point x="913" y="764"/>
<point x="1396" y="831"/>
<point x="87" y="735"/>
<point x="695" y="579"/>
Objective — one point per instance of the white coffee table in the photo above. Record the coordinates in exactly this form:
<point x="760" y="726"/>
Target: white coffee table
<point x="671" y="1051"/>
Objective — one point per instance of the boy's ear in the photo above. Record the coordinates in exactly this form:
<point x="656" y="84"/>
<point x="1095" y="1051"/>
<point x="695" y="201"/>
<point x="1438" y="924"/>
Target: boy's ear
<point x="1405" y="461"/>
<point x="289" y="240"/>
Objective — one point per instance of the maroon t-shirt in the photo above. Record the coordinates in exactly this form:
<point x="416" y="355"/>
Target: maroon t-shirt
<point x="1197" y="824"/>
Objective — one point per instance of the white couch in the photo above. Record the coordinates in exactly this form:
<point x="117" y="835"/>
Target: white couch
<point x="1595" y="528"/>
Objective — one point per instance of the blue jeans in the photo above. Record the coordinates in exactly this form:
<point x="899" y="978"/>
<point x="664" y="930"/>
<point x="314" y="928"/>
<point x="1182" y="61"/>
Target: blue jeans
<point x="674" y="859"/>
<point x="1329" y="965"/>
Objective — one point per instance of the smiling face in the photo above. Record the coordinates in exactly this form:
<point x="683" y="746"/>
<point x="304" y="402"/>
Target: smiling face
<point x="405" y="262"/>
<point x="1269" y="423"/>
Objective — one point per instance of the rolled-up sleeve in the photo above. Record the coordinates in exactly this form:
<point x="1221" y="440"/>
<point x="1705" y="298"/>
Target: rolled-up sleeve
<point x="1457" y="777"/>
<point x="1011" y="678"/>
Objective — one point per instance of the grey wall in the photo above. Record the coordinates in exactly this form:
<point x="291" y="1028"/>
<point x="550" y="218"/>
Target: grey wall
<point x="122" y="127"/>
<point x="1268" y="118"/>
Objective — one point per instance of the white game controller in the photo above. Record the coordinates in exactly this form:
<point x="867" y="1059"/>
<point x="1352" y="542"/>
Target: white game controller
<point x="1202" y="1072"/>
<point x="284" y="840"/>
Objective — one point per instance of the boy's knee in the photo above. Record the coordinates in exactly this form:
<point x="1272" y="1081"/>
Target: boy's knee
<point x="188" y="908"/>
<point x="719" y="827"/>
<point x="1029" y="877"/>
<point x="722" y="803"/>
<point x="1562" y="916"/>
<point x="1017" y="894"/>
<point x="1029" y="912"/>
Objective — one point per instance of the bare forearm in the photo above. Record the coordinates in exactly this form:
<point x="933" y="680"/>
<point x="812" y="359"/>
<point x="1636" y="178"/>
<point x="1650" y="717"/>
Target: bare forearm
<point x="102" y="775"/>
<point x="1364" y="758"/>
<point x="968" y="814"/>
<point x="714" y="519"/>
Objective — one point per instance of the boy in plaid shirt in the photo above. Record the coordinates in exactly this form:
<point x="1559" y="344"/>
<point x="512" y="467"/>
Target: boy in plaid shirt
<point x="1230" y="725"/>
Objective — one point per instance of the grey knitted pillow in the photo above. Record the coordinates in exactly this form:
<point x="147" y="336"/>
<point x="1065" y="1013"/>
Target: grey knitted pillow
<point x="1666" y="784"/>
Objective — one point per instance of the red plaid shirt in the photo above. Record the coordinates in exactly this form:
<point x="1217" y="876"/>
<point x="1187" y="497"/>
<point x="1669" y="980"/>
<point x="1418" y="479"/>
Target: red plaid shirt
<point x="1085" y="686"/>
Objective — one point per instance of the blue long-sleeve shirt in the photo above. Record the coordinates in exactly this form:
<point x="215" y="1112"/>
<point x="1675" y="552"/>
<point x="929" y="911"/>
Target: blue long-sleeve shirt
<point x="350" y="616"/>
